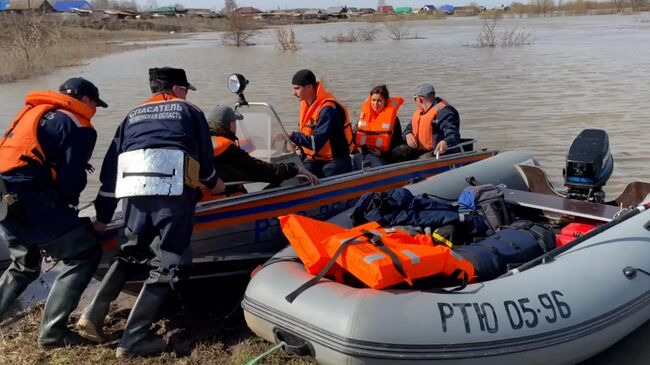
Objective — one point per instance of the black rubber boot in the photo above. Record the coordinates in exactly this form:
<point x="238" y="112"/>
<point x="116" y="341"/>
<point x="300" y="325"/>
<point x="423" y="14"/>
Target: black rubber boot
<point x="137" y="339"/>
<point x="80" y="254"/>
<point x="25" y="268"/>
<point x="91" y="323"/>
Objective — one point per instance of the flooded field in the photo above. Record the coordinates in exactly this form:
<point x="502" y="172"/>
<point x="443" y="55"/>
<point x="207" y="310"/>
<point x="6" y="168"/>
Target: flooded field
<point x="580" y="72"/>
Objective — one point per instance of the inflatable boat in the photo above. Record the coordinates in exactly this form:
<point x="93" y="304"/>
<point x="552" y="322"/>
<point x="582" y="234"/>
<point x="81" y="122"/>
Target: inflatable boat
<point x="561" y="308"/>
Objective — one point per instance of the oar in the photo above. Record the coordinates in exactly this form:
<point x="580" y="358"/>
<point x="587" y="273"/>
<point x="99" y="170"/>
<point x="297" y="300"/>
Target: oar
<point x="600" y="229"/>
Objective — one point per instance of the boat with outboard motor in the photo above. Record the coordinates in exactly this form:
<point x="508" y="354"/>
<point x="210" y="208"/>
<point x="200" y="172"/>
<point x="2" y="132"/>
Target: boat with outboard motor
<point x="560" y="308"/>
<point x="233" y="235"/>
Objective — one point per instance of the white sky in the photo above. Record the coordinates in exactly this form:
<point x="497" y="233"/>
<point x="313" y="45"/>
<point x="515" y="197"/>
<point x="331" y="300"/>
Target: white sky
<point x="282" y="4"/>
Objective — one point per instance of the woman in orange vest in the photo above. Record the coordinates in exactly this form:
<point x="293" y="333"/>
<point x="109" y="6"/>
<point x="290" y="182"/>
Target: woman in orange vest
<point x="434" y="127"/>
<point x="325" y="133"/>
<point x="235" y="164"/>
<point x="378" y="130"/>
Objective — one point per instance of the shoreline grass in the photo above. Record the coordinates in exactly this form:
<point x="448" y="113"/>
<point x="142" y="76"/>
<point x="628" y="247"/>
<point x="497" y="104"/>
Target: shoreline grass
<point x="206" y="333"/>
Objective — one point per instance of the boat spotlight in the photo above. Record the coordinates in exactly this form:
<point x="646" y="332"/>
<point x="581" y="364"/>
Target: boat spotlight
<point x="237" y="83"/>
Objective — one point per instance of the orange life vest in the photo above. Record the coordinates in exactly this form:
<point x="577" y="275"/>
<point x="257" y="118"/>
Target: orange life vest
<point x="309" y="119"/>
<point x="379" y="257"/>
<point x="220" y="144"/>
<point x="422" y="125"/>
<point x="19" y="145"/>
<point x="375" y="130"/>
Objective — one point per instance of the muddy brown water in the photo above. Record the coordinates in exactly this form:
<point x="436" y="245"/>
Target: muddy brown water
<point x="580" y="72"/>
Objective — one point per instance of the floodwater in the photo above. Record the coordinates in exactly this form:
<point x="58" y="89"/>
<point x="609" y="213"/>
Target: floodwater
<point x="580" y="72"/>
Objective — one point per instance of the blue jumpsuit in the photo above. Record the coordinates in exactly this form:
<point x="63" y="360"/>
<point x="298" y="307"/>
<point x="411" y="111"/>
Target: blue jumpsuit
<point x="158" y="228"/>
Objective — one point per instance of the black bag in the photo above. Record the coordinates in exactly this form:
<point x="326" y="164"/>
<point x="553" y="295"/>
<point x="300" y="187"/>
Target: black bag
<point x="488" y="202"/>
<point x="512" y="246"/>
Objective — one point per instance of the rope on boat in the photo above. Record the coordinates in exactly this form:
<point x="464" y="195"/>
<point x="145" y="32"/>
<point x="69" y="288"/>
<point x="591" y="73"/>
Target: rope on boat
<point x="265" y="354"/>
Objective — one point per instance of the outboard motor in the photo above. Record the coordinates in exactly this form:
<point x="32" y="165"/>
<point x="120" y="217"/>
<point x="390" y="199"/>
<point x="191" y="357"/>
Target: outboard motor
<point x="589" y="165"/>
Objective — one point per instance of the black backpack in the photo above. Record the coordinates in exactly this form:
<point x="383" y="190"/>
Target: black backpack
<point x="488" y="202"/>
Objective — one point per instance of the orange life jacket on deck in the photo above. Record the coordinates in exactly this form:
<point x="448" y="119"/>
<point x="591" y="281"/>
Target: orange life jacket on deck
<point x="422" y="125"/>
<point x="379" y="257"/>
<point x="375" y="130"/>
<point x="19" y="145"/>
<point x="309" y="119"/>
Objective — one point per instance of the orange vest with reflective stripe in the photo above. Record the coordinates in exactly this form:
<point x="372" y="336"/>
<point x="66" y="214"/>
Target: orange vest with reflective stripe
<point x="309" y="119"/>
<point x="375" y="130"/>
<point x="19" y="145"/>
<point x="316" y="242"/>
<point x="422" y="125"/>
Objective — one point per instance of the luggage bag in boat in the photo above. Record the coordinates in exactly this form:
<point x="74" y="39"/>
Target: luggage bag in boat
<point x="512" y="246"/>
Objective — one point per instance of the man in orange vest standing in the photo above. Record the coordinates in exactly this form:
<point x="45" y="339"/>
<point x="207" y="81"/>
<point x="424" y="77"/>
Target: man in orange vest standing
<point x="44" y="157"/>
<point x="325" y="132"/>
<point x="434" y="126"/>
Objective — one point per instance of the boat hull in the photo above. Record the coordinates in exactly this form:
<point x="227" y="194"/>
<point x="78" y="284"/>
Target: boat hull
<point x="560" y="312"/>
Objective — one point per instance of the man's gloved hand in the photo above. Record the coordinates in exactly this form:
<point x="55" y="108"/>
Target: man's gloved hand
<point x="303" y="172"/>
<point x="218" y="188"/>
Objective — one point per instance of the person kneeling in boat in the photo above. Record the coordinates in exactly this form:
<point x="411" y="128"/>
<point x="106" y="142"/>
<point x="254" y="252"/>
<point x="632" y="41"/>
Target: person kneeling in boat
<point x="378" y="130"/>
<point x="434" y="127"/>
<point x="325" y="133"/>
<point x="235" y="164"/>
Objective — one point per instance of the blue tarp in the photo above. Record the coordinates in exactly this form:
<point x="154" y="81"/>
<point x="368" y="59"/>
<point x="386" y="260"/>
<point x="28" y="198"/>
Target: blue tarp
<point x="447" y="8"/>
<point x="67" y="5"/>
<point x="4" y="4"/>
<point x="429" y="7"/>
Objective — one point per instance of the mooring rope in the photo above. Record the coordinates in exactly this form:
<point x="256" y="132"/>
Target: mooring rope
<point x="265" y="354"/>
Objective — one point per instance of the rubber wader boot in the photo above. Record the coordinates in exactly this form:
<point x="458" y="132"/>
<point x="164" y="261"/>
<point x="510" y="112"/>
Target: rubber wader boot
<point x="25" y="267"/>
<point x="12" y="284"/>
<point x="91" y="323"/>
<point x="137" y="339"/>
<point x="80" y="264"/>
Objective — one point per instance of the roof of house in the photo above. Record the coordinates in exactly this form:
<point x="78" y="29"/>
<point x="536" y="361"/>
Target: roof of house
<point x="67" y="5"/>
<point x="403" y="9"/>
<point x="447" y="7"/>
<point x="27" y="4"/>
<point x="248" y="10"/>
<point x="3" y="4"/>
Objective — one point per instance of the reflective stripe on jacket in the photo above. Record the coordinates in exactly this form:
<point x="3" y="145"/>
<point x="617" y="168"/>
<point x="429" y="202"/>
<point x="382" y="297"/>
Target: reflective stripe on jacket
<point x="422" y="125"/>
<point x="375" y="130"/>
<point x="309" y="119"/>
<point x="19" y="145"/>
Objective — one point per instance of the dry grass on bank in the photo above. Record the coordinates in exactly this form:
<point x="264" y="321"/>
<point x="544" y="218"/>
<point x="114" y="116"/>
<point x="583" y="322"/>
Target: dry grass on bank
<point x="36" y="44"/>
<point x="205" y="334"/>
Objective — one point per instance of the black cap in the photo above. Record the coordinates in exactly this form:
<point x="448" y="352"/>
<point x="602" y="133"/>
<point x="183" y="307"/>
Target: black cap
<point x="82" y="87"/>
<point x="304" y="77"/>
<point x="172" y="76"/>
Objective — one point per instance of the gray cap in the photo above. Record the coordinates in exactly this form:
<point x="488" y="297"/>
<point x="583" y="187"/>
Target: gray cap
<point x="425" y="89"/>
<point x="223" y="114"/>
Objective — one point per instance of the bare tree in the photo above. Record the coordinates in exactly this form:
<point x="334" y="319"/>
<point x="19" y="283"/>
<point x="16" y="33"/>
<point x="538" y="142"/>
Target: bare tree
<point x="397" y="30"/>
<point x="488" y="36"/>
<point x="543" y="6"/>
<point x="286" y="38"/>
<point x="240" y="29"/>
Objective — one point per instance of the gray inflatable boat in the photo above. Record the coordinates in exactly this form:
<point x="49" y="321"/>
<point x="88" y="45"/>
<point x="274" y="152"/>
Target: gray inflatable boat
<point x="561" y="309"/>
